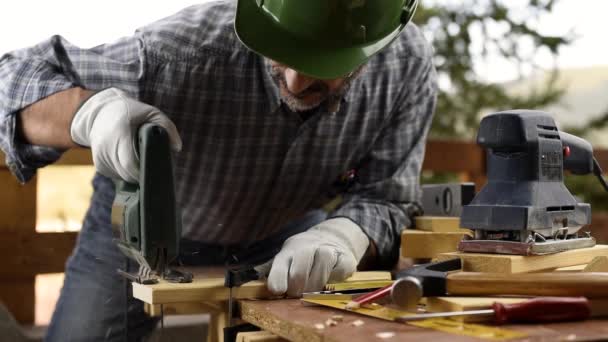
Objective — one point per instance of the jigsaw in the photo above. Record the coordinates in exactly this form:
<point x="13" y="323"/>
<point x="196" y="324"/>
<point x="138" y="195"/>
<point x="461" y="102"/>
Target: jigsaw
<point x="146" y="220"/>
<point x="525" y="208"/>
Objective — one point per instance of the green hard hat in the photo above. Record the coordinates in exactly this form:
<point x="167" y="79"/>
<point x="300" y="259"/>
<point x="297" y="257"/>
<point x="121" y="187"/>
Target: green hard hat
<point x="324" y="39"/>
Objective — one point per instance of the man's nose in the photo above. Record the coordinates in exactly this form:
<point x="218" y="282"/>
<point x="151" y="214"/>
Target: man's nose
<point x="296" y="82"/>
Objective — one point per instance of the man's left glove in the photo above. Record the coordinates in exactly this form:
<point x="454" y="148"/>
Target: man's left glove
<point x="329" y="251"/>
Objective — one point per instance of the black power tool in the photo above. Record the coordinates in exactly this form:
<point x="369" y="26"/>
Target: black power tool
<point x="525" y="208"/>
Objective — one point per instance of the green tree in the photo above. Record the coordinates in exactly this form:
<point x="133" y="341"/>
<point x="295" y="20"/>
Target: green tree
<point x="465" y="32"/>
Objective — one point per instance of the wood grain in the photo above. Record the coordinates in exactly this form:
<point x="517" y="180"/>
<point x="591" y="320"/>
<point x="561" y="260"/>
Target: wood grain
<point x="422" y="244"/>
<point x="295" y="322"/>
<point x="439" y="224"/>
<point x="208" y="285"/>
<point x="598" y="264"/>
<point x="18" y="295"/>
<point x="591" y="285"/>
<point x="17" y="204"/>
<point x="500" y="263"/>
<point x="79" y="156"/>
<point x="258" y="336"/>
<point x="27" y="254"/>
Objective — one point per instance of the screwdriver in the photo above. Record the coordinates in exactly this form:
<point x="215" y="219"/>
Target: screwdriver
<point x="537" y="310"/>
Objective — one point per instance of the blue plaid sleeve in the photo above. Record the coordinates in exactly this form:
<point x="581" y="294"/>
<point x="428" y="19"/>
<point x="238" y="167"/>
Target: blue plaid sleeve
<point x="31" y="74"/>
<point x="384" y="198"/>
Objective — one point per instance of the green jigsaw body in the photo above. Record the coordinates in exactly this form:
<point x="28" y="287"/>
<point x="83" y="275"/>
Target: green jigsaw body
<point x="145" y="218"/>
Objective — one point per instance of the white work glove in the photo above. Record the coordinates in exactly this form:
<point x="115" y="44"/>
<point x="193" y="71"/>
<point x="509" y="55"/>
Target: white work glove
<point x="329" y="251"/>
<point x="108" y="122"/>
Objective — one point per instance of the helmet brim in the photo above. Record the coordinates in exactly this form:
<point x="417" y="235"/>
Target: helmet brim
<point x="258" y="32"/>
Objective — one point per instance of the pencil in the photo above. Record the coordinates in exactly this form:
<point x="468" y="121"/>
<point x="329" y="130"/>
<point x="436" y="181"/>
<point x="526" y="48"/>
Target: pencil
<point x="368" y="298"/>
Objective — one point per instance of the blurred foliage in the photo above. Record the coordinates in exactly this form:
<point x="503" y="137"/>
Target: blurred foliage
<point x="598" y="123"/>
<point x="463" y="33"/>
<point x="589" y="190"/>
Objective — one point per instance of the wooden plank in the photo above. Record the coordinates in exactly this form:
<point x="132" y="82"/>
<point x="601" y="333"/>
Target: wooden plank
<point x="188" y="308"/>
<point x="439" y="224"/>
<point x="79" y="156"/>
<point x="17" y="204"/>
<point x="258" y="336"/>
<point x="296" y="322"/>
<point x="602" y="158"/>
<point x="598" y="264"/>
<point x="497" y="263"/>
<point x="454" y="156"/>
<point x="18" y="295"/>
<point x="208" y="285"/>
<point x="599" y="227"/>
<point x="366" y="276"/>
<point x="28" y="254"/>
<point x="428" y="245"/>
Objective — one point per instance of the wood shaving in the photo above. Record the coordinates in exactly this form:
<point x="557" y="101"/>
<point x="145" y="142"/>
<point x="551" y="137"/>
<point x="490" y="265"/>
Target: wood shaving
<point x="337" y="318"/>
<point x="319" y="326"/>
<point x="357" y="323"/>
<point x="385" y="334"/>
<point x="331" y="323"/>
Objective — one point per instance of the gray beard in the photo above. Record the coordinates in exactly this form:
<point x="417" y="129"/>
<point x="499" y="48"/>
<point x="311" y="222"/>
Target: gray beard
<point x="331" y="99"/>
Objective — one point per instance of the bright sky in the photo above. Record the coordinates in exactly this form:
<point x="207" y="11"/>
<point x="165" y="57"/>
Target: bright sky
<point x="89" y="23"/>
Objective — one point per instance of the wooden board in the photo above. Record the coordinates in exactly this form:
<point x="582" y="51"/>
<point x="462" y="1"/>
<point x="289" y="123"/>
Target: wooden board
<point x="208" y="286"/>
<point x="18" y="295"/>
<point x="439" y="224"/>
<point x="366" y="276"/>
<point x="77" y="156"/>
<point x="598" y="264"/>
<point x="497" y="263"/>
<point x="258" y="336"/>
<point x="428" y="245"/>
<point x="204" y="287"/>
<point x="295" y="322"/>
<point x="25" y="254"/>
<point x="17" y="204"/>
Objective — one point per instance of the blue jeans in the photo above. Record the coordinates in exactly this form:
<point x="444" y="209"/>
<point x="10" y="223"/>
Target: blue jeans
<point x="96" y="304"/>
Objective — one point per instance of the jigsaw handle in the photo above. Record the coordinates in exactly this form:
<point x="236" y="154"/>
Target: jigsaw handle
<point x="588" y="284"/>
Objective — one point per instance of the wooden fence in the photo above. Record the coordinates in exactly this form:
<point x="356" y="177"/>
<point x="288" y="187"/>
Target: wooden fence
<point x="24" y="253"/>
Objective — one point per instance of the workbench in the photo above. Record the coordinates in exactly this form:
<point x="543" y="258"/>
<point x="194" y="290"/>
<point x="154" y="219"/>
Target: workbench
<point x="291" y="319"/>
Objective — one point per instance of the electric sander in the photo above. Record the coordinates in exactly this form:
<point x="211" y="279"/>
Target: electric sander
<point x="525" y="208"/>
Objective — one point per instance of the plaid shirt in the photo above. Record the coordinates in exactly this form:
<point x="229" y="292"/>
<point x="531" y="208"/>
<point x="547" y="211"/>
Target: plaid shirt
<point x="248" y="165"/>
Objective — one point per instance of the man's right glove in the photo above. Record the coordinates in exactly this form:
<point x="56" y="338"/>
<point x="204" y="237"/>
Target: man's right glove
<point x="108" y="122"/>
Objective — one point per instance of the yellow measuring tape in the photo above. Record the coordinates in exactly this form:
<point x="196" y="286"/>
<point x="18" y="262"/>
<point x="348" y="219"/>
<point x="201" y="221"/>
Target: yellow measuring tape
<point x="441" y="324"/>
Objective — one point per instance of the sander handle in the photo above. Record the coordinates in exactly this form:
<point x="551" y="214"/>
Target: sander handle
<point x="588" y="284"/>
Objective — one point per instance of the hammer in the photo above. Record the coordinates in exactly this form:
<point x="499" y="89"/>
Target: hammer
<point x="443" y="278"/>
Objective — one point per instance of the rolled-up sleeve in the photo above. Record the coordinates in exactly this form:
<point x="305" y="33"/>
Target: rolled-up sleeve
<point x="32" y="74"/>
<point x="385" y="197"/>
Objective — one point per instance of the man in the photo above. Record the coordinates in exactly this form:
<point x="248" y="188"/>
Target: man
<point x="338" y="99"/>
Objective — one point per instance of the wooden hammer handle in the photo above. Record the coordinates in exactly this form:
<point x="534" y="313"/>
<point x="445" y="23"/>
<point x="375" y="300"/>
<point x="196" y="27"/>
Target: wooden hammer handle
<point x="591" y="285"/>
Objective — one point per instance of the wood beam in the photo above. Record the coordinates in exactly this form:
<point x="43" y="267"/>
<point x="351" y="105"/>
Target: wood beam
<point x="17" y="204"/>
<point x="76" y="157"/>
<point x="25" y="254"/>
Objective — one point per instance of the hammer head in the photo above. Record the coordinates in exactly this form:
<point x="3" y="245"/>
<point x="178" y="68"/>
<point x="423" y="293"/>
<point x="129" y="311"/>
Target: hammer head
<point x="426" y="280"/>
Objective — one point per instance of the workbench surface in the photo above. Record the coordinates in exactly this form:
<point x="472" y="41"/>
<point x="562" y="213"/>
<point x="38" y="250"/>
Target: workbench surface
<point x="294" y="321"/>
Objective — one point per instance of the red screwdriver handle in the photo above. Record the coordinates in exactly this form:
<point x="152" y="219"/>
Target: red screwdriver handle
<point x="543" y="310"/>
